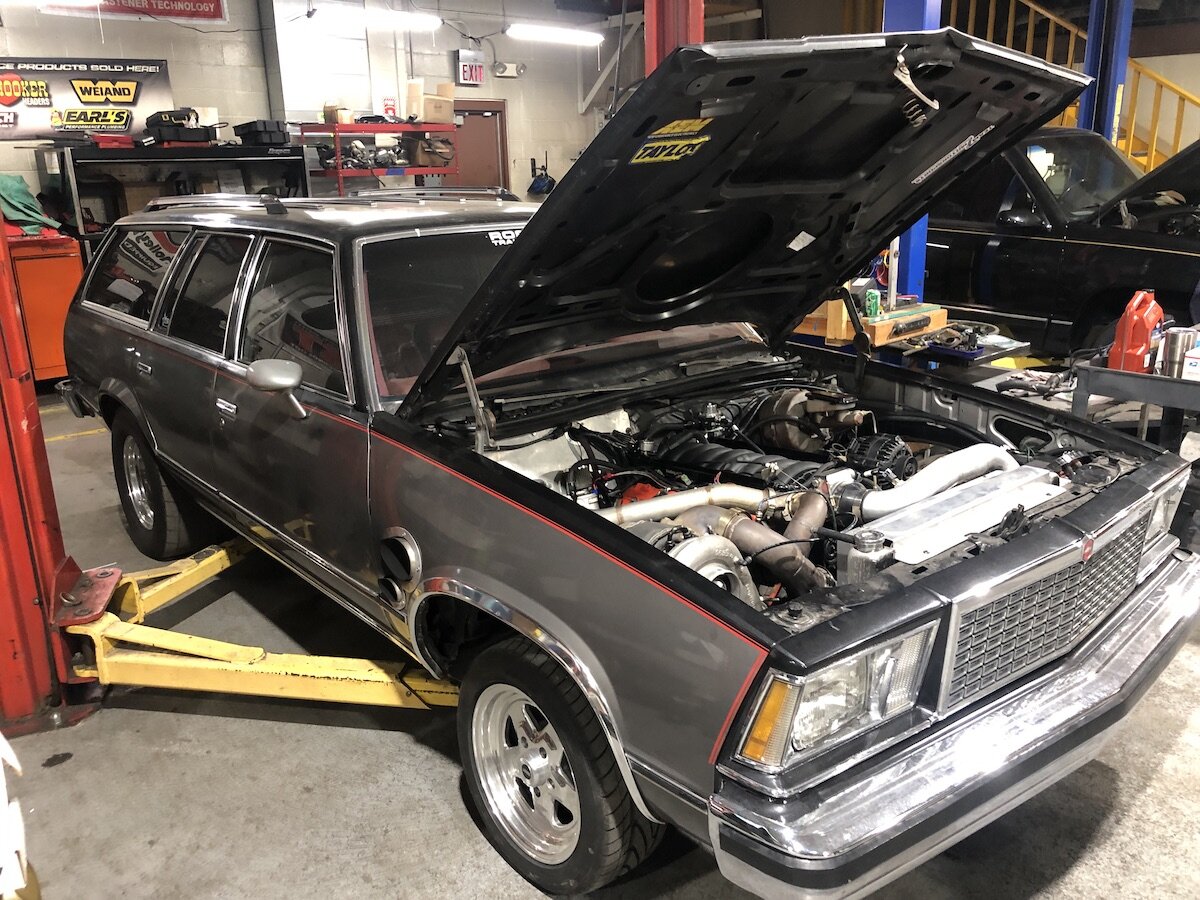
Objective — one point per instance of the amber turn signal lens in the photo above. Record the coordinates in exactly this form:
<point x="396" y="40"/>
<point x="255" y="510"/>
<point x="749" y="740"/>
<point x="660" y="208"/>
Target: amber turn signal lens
<point x="767" y="738"/>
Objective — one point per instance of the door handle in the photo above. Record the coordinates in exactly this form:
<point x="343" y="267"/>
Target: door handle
<point x="227" y="409"/>
<point x="145" y="368"/>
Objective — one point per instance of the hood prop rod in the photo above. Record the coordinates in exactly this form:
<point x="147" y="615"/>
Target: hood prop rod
<point x="862" y="341"/>
<point x="483" y="419"/>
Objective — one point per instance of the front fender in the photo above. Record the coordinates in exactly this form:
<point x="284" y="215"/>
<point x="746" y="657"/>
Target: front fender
<point x="531" y="619"/>
<point x="652" y="644"/>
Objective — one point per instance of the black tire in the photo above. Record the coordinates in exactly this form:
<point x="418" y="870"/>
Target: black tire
<point x="168" y="523"/>
<point x="613" y="836"/>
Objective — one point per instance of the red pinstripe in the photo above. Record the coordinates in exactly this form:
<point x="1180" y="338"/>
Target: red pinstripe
<point x="761" y="651"/>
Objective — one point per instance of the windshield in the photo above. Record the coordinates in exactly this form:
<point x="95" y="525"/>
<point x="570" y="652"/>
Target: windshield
<point x="416" y="288"/>
<point x="1083" y="171"/>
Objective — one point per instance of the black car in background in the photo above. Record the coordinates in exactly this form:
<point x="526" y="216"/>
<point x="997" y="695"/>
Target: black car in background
<point x="1052" y="238"/>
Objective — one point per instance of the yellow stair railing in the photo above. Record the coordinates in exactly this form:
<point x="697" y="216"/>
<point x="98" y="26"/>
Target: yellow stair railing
<point x="1171" y="108"/>
<point x="1024" y="25"/>
<point x="1045" y="34"/>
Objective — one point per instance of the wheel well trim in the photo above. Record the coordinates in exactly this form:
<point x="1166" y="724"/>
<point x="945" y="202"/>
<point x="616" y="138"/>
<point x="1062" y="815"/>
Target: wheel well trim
<point x="121" y="394"/>
<point x="575" y="667"/>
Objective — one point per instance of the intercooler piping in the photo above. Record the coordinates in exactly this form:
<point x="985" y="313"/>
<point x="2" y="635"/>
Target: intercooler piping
<point x="784" y="556"/>
<point x="668" y="506"/>
<point x="941" y="474"/>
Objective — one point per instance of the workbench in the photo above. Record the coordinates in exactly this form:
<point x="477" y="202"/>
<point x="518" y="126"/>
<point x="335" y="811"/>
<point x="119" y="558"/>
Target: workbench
<point x="1174" y="395"/>
<point x="831" y="322"/>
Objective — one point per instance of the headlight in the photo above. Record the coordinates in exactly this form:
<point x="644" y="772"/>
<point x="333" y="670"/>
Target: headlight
<point x="1166" y="504"/>
<point x="796" y="717"/>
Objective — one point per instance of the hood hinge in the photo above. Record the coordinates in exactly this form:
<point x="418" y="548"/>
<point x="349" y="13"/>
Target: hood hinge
<point x="483" y="418"/>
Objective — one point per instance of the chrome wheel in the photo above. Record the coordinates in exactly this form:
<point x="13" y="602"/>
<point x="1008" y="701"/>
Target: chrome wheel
<point x="137" y="482"/>
<point x="524" y="774"/>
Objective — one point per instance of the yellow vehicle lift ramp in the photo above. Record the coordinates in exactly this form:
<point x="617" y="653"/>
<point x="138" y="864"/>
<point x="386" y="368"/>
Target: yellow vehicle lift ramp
<point x="131" y="653"/>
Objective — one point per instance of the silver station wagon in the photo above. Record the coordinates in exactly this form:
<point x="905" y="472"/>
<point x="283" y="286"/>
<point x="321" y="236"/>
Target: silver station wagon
<point x="822" y="615"/>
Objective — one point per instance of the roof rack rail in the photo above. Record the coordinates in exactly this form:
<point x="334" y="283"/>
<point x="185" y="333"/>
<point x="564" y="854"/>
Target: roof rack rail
<point x="436" y="193"/>
<point x="268" y="201"/>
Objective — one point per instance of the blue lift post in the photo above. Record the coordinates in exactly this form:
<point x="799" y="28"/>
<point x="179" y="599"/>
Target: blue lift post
<point x="1106" y="58"/>
<point x="913" y="15"/>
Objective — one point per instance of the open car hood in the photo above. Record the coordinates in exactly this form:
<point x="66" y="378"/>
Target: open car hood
<point x="1180" y="173"/>
<point x="741" y="183"/>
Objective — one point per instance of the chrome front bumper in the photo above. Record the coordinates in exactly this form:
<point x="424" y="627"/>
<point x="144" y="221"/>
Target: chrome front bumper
<point x="851" y="835"/>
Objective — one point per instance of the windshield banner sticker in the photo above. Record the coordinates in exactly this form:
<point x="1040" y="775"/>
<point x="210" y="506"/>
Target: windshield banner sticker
<point x="967" y="144"/>
<point x="503" y="238"/>
<point x="674" y="141"/>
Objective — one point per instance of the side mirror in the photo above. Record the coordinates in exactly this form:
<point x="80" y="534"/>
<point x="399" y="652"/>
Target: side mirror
<point x="278" y="376"/>
<point x="1020" y="218"/>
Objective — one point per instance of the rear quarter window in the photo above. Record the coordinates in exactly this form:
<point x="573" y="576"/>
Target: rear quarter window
<point x="128" y="275"/>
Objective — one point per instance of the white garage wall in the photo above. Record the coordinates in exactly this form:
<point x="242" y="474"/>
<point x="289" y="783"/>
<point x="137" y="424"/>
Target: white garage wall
<point x="333" y="56"/>
<point x="224" y="70"/>
<point x="338" y="56"/>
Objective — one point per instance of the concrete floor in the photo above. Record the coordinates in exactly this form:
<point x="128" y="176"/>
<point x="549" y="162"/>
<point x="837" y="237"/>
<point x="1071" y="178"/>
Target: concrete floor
<point x="162" y="794"/>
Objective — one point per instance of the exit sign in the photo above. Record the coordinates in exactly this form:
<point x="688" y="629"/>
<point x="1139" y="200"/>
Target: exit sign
<point x="470" y="67"/>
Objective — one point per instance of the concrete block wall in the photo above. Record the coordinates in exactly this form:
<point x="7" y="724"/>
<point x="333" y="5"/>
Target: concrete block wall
<point x="219" y="65"/>
<point x="340" y="55"/>
<point x="543" y="104"/>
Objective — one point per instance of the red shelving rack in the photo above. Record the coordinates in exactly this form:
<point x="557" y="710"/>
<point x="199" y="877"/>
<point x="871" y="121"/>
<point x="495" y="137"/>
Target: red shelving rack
<point x="339" y="132"/>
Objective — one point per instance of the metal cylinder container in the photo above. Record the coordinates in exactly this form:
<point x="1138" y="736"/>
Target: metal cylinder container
<point x="1176" y="344"/>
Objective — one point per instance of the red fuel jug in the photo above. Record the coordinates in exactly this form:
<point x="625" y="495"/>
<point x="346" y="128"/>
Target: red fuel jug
<point x="1138" y="330"/>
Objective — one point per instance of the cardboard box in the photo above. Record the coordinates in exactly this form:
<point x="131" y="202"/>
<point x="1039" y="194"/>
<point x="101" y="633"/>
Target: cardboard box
<point x="337" y="115"/>
<point x="429" y="152"/>
<point x="437" y="110"/>
<point x="138" y="193"/>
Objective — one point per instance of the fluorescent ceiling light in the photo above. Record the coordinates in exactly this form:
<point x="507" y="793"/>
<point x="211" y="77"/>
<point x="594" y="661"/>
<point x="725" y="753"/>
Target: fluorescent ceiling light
<point x="399" y="20"/>
<point x="551" y="34"/>
<point x="414" y="21"/>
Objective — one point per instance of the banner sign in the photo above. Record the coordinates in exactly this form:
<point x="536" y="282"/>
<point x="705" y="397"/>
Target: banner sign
<point x="189" y="10"/>
<point x="43" y="97"/>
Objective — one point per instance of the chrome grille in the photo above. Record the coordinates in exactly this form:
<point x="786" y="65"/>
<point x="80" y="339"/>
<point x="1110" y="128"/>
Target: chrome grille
<point x="1006" y="638"/>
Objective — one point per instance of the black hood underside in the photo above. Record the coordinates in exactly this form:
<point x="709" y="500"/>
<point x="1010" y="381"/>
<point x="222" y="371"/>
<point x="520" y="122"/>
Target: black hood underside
<point x="743" y="181"/>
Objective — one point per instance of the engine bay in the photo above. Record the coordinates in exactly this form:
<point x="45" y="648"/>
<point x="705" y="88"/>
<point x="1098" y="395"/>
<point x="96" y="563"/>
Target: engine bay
<point x="796" y="497"/>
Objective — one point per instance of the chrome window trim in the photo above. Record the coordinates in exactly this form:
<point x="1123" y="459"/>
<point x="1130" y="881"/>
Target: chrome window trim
<point x="362" y="306"/>
<point x="181" y="269"/>
<point x="200" y="236"/>
<point x="557" y="650"/>
<point x="93" y="306"/>
<point x="93" y="268"/>
<point x="235" y="344"/>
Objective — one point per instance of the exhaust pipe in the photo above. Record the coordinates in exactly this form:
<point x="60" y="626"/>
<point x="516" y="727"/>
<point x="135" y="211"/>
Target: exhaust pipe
<point x="780" y="555"/>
